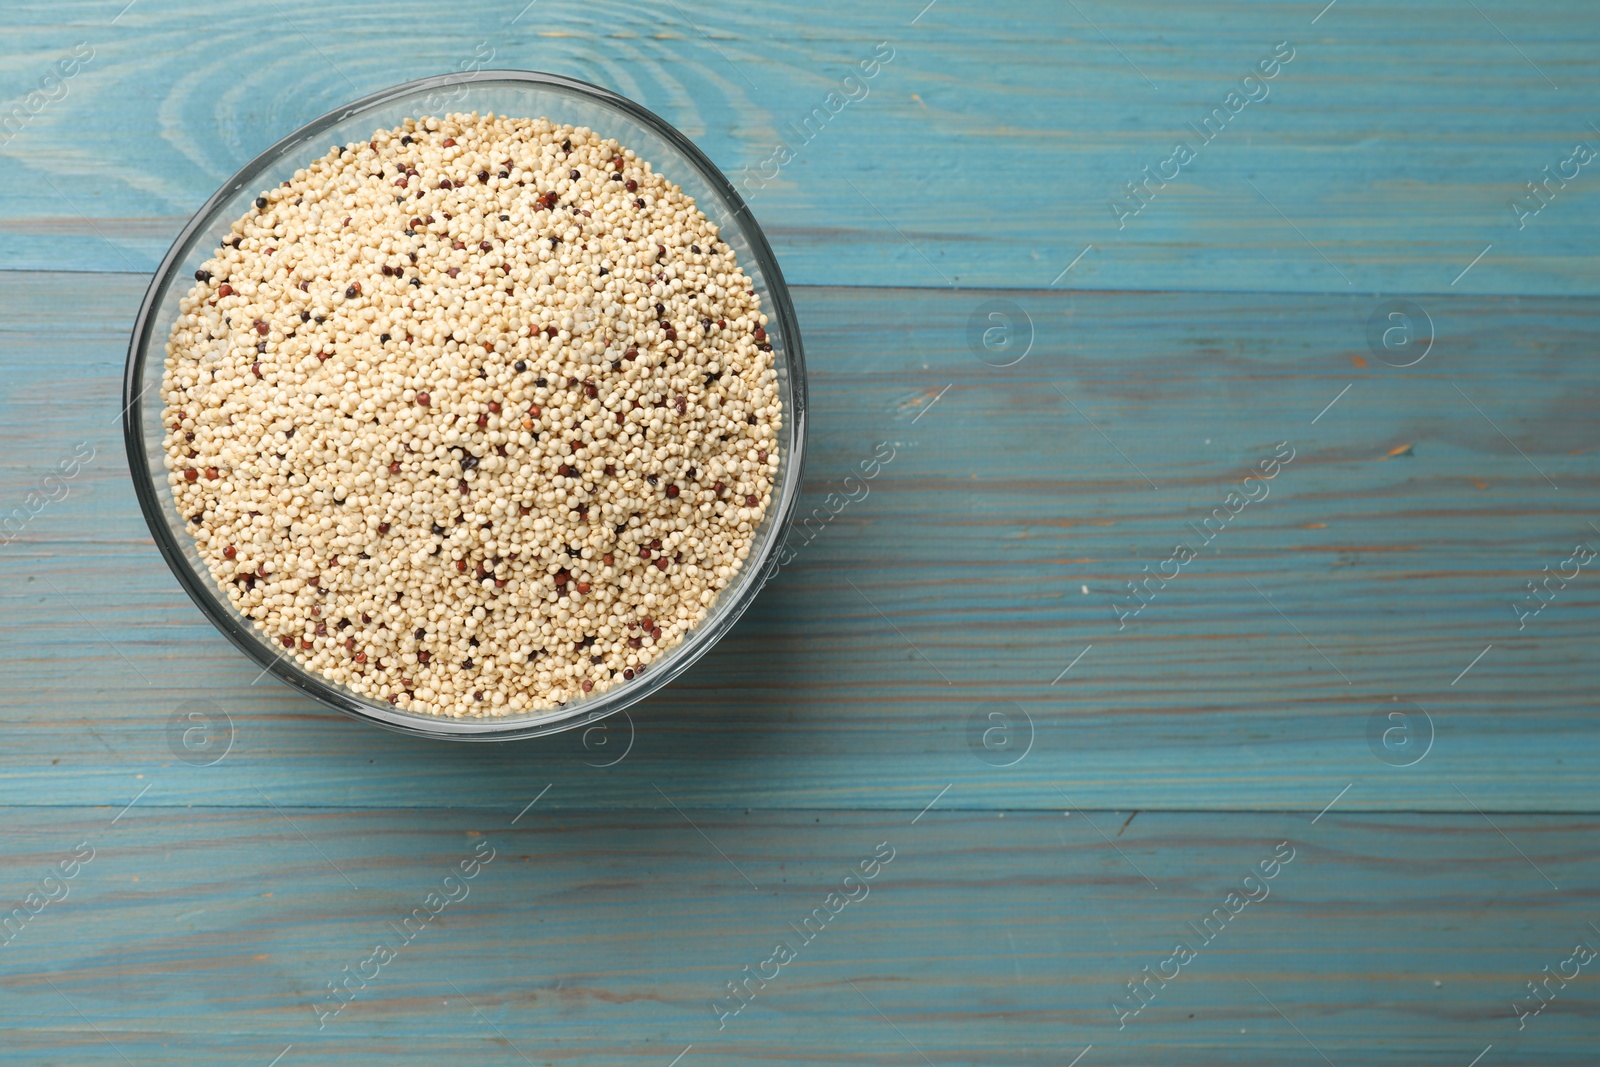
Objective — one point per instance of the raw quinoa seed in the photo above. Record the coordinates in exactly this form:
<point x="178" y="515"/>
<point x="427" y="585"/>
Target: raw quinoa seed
<point x="422" y="494"/>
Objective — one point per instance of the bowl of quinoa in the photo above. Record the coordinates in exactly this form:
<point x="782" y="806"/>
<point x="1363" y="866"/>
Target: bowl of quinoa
<point x="474" y="409"/>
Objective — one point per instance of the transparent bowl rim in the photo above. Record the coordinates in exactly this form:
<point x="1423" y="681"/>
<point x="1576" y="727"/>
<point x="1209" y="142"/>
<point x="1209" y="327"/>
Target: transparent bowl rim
<point x="731" y="602"/>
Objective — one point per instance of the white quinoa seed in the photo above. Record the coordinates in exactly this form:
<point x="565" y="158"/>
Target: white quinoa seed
<point x="372" y="479"/>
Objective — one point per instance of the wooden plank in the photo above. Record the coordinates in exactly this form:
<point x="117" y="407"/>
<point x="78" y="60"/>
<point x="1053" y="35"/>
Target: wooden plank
<point x="987" y="152"/>
<point x="210" y="936"/>
<point x="1384" y="563"/>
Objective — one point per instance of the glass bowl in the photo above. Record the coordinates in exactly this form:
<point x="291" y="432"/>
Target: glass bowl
<point x="520" y="94"/>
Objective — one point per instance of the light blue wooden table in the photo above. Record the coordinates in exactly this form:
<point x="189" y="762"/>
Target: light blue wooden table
<point x="1077" y="341"/>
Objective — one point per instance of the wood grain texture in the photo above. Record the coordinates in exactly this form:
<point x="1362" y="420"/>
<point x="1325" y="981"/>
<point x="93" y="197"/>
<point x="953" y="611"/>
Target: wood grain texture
<point x="1385" y="559"/>
<point x="985" y="153"/>
<point x="1140" y="767"/>
<point x="207" y="936"/>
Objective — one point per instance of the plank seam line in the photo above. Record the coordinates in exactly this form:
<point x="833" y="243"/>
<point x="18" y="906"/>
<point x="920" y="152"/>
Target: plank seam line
<point x="1039" y="290"/>
<point x="1142" y="809"/>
